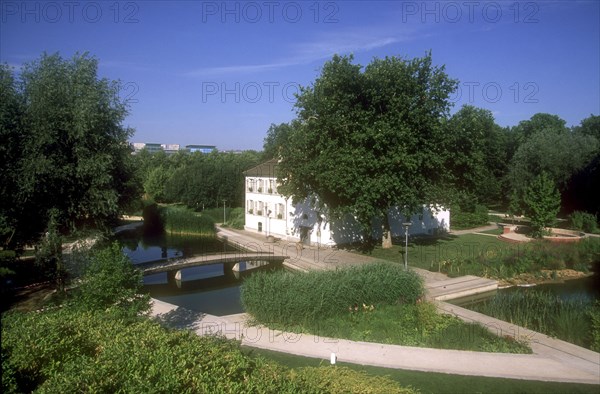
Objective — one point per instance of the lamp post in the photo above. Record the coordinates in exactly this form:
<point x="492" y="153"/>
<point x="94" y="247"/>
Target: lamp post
<point x="224" y="219"/>
<point x="406" y="226"/>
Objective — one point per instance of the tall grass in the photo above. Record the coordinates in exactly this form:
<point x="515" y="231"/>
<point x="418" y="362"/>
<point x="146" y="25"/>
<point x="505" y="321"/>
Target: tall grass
<point x="180" y="220"/>
<point x="374" y="303"/>
<point x="216" y="214"/>
<point x="531" y="258"/>
<point x="567" y="319"/>
<point x="291" y="298"/>
<point x="236" y="218"/>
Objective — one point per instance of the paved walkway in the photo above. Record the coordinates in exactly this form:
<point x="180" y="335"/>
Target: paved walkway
<point x="553" y="360"/>
<point x="306" y="259"/>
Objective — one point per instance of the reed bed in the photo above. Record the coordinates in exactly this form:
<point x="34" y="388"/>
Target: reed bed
<point x="568" y="319"/>
<point x="292" y="298"/>
<point x="374" y="303"/>
<point x="180" y="220"/>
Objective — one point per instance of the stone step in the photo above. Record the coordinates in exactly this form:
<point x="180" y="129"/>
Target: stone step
<point x="459" y="287"/>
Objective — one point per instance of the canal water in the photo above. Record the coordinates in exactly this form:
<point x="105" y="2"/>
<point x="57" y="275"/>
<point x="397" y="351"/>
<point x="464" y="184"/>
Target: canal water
<point x="587" y="288"/>
<point x="207" y="289"/>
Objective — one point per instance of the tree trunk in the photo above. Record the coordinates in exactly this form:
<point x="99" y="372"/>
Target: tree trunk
<point x="386" y="240"/>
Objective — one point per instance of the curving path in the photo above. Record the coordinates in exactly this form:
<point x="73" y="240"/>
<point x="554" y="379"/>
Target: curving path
<point x="552" y="359"/>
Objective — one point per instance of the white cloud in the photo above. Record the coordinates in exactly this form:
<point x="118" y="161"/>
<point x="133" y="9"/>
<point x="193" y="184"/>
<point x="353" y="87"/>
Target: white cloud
<point x="319" y="48"/>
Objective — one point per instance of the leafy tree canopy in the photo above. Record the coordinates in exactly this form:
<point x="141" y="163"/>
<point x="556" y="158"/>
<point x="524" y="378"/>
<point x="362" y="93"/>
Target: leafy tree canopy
<point x="560" y="155"/>
<point x="277" y="136"/>
<point x="479" y="158"/>
<point x="542" y="202"/>
<point x="538" y="123"/>
<point x="367" y="140"/>
<point x="67" y="147"/>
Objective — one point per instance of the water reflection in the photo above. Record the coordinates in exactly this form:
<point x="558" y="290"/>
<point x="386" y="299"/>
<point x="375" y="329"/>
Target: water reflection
<point x="584" y="289"/>
<point x="207" y="289"/>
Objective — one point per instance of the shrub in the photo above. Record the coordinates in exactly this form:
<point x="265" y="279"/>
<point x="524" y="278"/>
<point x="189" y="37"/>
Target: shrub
<point x="345" y="380"/>
<point x="236" y="218"/>
<point x="282" y="297"/>
<point x="594" y="315"/>
<point x="153" y="221"/>
<point x="584" y="221"/>
<point x="111" y="282"/>
<point x="473" y="216"/>
<point x="71" y="351"/>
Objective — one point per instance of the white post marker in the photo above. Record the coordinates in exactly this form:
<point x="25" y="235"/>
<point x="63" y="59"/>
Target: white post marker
<point x="333" y="358"/>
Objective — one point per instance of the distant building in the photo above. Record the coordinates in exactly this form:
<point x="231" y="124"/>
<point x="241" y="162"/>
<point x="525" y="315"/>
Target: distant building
<point x="200" y="148"/>
<point x="170" y="149"/>
<point x="153" y="147"/>
<point x="138" y="146"/>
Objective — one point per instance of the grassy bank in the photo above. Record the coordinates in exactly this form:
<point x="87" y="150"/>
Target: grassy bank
<point x="483" y="255"/>
<point x="575" y="320"/>
<point x="375" y="303"/>
<point x="439" y="383"/>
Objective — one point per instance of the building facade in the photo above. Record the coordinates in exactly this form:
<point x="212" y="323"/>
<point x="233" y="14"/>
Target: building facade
<point x="270" y="213"/>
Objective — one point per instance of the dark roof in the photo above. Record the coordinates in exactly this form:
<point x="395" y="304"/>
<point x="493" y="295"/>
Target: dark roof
<point x="265" y="170"/>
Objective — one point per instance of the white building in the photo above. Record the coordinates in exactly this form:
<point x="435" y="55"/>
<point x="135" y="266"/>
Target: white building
<point x="270" y="213"/>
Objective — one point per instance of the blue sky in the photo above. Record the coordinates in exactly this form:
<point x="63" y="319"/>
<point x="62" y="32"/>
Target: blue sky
<point x="214" y="72"/>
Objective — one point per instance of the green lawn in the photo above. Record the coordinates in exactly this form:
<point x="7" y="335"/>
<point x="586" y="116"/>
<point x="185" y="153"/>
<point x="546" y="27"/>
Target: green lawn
<point x="430" y="382"/>
<point x="429" y="253"/>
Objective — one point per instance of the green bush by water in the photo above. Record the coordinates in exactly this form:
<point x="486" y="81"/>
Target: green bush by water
<point x="180" y="220"/>
<point x="289" y="298"/>
<point x="571" y="320"/>
<point x="374" y="303"/>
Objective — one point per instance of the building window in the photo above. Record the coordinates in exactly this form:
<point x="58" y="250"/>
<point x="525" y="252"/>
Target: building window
<point x="259" y="210"/>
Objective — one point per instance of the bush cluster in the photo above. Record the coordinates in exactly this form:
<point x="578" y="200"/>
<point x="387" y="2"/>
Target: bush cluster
<point x="69" y="351"/>
<point x="475" y="216"/>
<point x="584" y="221"/>
<point x="290" y="298"/>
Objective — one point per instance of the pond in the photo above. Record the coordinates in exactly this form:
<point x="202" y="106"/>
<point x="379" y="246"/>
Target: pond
<point x="587" y="288"/>
<point x="207" y="289"/>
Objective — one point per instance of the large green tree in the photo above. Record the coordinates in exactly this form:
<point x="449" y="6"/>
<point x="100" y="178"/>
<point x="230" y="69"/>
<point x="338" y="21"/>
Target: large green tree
<point x="559" y="154"/>
<point x="67" y="148"/>
<point x="368" y="140"/>
<point x="538" y="123"/>
<point x="277" y="136"/>
<point x="479" y="160"/>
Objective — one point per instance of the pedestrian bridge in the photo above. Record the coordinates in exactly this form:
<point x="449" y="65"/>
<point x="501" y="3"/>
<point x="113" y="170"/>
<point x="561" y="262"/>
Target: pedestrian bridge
<point x="229" y="259"/>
